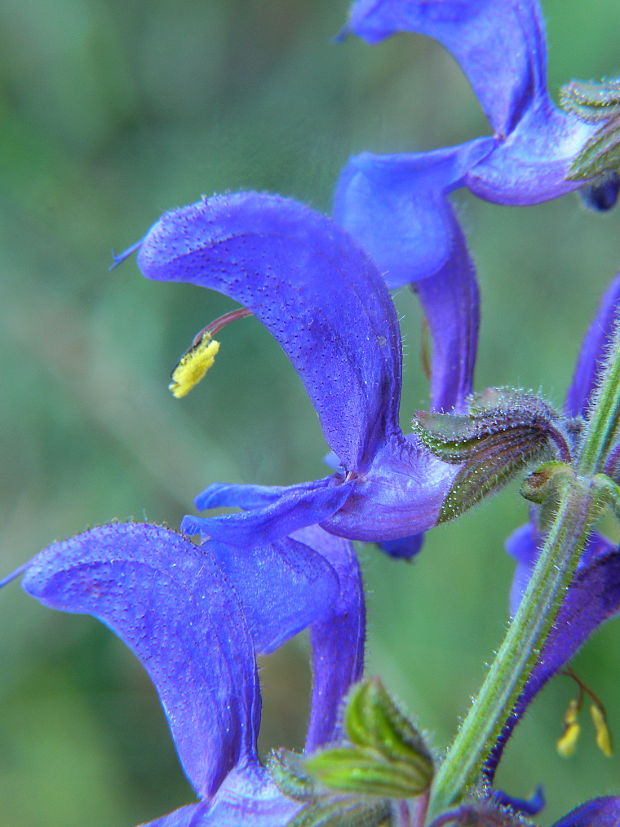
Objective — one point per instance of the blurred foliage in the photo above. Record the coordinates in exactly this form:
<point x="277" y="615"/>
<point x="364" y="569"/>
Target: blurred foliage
<point x="112" y="112"/>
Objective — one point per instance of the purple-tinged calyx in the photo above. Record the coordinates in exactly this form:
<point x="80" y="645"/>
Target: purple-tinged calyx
<point x="503" y="433"/>
<point x="597" y="104"/>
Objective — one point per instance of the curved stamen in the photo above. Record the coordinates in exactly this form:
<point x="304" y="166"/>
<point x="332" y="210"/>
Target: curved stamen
<point x="200" y="356"/>
<point x="567" y="742"/>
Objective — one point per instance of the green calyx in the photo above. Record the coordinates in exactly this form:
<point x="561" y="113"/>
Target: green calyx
<point x="591" y="101"/>
<point x="595" y="103"/>
<point x="504" y="432"/>
<point x="382" y="759"/>
<point x="287" y="770"/>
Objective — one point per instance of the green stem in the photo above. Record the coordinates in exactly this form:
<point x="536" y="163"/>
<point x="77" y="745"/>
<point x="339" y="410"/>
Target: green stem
<point x="578" y="505"/>
<point x="519" y="651"/>
<point x="604" y="413"/>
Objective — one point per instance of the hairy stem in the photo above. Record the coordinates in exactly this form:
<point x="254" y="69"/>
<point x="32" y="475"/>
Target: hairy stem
<point x="577" y="508"/>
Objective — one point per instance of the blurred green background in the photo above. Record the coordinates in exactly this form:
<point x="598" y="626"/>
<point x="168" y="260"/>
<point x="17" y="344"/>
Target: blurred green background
<point x="112" y="112"/>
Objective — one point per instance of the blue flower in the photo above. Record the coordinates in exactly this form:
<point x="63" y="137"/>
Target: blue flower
<point x="197" y="617"/>
<point x="328" y="307"/>
<point x="600" y="812"/>
<point x="397" y="206"/>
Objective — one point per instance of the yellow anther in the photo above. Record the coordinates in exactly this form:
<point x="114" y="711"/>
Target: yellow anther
<point x="193" y="365"/>
<point x="603" y="735"/>
<point x="567" y="742"/>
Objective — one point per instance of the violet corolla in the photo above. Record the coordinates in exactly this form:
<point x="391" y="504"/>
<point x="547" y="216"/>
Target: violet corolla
<point x="197" y="617"/>
<point x="398" y="206"/>
<point x="326" y="304"/>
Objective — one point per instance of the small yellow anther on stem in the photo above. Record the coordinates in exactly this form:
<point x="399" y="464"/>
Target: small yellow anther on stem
<point x="603" y="735"/>
<point x="200" y="356"/>
<point x="567" y="742"/>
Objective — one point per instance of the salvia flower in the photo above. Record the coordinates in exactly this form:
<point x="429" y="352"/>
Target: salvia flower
<point x="326" y="304"/>
<point x="398" y="207"/>
<point x="197" y="617"/>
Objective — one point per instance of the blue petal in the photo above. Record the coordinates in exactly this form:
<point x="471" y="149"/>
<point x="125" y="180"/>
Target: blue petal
<point x="337" y="639"/>
<point x="247" y="797"/>
<point x="312" y="287"/>
<point x="400" y="495"/>
<point x="403" y="548"/>
<point x="287" y="510"/>
<point x="171" y="604"/>
<point x="596" y="341"/>
<point x="191" y="815"/>
<point x="396" y="207"/>
<point x="501" y="48"/>
<point x="282" y="587"/>
<point x="240" y="495"/>
<point x="451" y="302"/>
<point x="528" y="806"/>
<point x="499" y="44"/>
<point x="602" y="195"/>
<point x="600" y="812"/>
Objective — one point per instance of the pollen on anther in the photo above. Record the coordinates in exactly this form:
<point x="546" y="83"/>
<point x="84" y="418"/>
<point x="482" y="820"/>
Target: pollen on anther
<point x="603" y="735"/>
<point x="193" y="365"/>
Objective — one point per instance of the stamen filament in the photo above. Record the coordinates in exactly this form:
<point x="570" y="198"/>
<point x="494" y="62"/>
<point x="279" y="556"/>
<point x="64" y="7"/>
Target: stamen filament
<point x="215" y="326"/>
